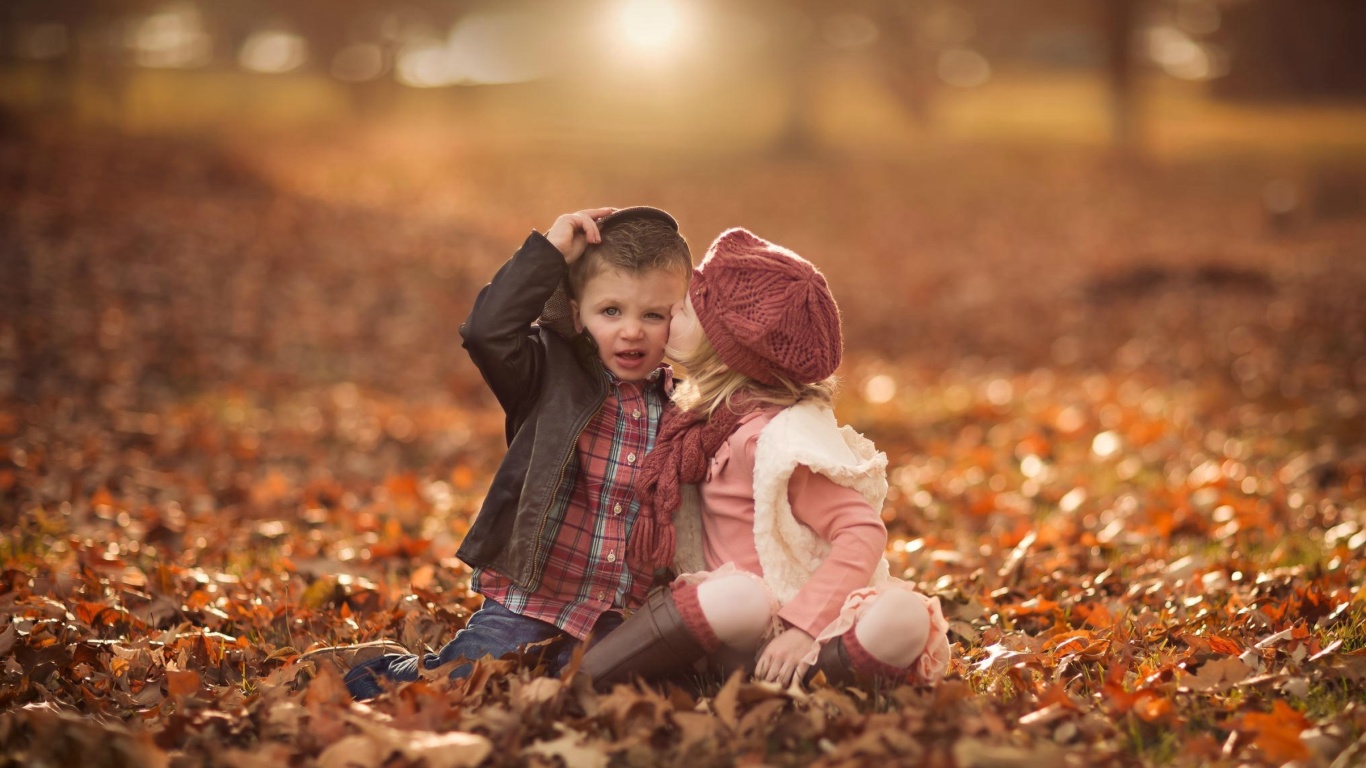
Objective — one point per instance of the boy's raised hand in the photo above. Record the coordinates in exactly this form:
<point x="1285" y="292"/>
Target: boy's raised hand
<point x="573" y="232"/>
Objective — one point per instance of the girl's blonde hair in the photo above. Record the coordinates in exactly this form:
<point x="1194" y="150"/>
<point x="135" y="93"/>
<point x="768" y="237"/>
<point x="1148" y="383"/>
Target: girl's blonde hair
<point x="711" y="384"/>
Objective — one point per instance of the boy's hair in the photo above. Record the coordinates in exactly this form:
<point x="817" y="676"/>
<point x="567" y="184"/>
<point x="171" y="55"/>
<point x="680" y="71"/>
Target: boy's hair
<point x="711" y="383"/>
<point x="634" y="246"/>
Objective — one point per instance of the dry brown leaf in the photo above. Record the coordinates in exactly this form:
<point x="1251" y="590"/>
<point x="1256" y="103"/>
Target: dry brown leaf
<point x="974" y="753"/>
<point x="539" y="691"/>
<point x="354" y="752"/>
<point x="182" y="684"/>
<point x="453" y="749"/>
<point x="574" y="749"/>
<point x="1217" y="675"/>
<point x="727" y="700"/>
<point x="696" y="729"/>
<point x="7" y="639"/>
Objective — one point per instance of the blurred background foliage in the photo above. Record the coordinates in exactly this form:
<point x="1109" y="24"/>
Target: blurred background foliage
<point x="272" y="195"/>
<point x="747" y="75"/>
<point x="1099" y="264"/>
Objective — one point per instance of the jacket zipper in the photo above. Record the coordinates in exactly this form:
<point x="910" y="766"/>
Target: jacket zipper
<point x="538" y="564"/>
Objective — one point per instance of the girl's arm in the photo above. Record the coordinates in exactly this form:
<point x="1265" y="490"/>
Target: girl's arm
<point x="858" y="540"/>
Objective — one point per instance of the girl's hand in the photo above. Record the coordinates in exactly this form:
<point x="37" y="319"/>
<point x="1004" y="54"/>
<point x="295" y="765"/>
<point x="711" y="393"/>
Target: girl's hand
<point x="572" y="232"/>
<point x="781" y="659"/>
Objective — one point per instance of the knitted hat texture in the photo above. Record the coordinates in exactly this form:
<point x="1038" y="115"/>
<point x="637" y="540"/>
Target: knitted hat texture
<point x="766" y="310"/>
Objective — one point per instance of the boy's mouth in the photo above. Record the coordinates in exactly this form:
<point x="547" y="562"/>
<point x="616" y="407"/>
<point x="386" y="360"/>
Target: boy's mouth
<point x="631" y="356"/>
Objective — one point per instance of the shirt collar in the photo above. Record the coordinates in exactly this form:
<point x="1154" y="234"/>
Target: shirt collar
<point x="661" y="378"/>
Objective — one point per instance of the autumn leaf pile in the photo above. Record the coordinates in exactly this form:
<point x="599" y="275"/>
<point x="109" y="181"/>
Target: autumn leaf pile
<point x="1123" y="403"/>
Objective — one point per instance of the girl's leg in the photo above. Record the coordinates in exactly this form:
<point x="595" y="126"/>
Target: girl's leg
<point x="887" y="640"/>
<point x="737" y="609"/>
<point x="678" y="626"/>
<point x="895" y="629"/>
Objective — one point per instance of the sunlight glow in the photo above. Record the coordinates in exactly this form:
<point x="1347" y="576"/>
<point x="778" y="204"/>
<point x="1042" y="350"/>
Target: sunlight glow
<point x="273" y="51"/>
<point x="650" y="25"/>
<point x="424" y="64"/>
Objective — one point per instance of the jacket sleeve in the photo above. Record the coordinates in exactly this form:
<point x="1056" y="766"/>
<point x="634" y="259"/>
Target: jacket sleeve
<point x="500" y="333"/>
<point x="857" y="539"/>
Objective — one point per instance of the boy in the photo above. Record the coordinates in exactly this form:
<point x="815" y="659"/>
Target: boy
<point x="583" y="391"/>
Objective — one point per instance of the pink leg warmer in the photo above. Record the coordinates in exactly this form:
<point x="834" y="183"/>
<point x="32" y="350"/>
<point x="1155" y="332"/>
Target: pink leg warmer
<point x="685" y="600"/>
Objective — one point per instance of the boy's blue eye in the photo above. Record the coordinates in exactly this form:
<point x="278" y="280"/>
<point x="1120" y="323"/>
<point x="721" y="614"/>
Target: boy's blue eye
<point x="655" y="316"/>
<point x="611" y="311"/>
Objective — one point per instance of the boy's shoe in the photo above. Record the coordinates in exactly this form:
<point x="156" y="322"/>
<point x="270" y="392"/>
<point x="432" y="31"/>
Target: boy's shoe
<point x="348" y="656"/>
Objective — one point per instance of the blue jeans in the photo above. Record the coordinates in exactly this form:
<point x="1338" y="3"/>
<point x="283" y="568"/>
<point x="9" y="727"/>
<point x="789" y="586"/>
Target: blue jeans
<point x="492" y="631"/>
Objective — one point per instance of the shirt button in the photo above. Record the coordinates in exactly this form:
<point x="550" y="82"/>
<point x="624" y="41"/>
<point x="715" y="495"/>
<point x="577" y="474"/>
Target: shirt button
<point x="612" y="556"/>
<point x="630" y="458"/>
<point x="602" y="596"/>
<point x="616" y="509"/>
<point x="635" y="414"/>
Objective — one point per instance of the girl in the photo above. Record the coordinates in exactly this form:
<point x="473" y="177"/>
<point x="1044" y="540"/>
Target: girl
<point x="770" y="509"/>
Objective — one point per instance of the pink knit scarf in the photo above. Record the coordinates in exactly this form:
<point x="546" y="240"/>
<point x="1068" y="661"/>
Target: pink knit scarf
<point x="686" y="442"/>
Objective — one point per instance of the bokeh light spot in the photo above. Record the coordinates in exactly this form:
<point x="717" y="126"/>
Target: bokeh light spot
<point x="964" y="68"/>
<point x="173" y="38"/>
<point x="273" y="51"/>
<point x="879" y="389"/>
<point x="1105" y="444"/>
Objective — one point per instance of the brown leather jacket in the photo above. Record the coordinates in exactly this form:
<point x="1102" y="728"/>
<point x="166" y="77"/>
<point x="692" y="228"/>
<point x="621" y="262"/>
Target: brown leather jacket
<point x="549" y="385"/>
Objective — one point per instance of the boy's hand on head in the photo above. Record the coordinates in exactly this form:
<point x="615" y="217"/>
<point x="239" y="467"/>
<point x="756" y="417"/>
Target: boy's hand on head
<point x="573" y="232"/>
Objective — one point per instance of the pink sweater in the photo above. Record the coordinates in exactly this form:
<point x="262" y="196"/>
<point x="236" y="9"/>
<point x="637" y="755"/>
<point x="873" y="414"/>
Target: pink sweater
<point x="837" y="514"/>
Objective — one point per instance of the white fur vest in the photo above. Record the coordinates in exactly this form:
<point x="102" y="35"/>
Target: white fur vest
<point x="806" y="435"/>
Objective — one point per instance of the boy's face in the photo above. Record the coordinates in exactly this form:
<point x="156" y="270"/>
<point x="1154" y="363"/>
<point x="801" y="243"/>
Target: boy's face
<point x="628" y="316"/>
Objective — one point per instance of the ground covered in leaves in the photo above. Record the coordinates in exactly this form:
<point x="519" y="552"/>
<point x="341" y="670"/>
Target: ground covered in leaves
<point x="1123" y="403"/>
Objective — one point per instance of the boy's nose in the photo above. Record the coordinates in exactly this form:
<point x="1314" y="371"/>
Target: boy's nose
<point x="633" y="329"/>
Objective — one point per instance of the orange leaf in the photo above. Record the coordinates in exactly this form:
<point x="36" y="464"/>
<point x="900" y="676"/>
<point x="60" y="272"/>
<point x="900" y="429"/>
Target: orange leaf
<point x="180" y="684"/>
<point x="1278" y="732"/>
<point x="1153" y="707"/>
<point x="1094" y="615"/>
<point x="1220" y="644"/>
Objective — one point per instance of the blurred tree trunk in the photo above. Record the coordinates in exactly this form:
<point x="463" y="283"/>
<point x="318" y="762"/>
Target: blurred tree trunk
<point x="1295" y="50"/>
<point x="906" y="57"/>
<point x="1121" y="28"/>
<point x="798" y="135"/>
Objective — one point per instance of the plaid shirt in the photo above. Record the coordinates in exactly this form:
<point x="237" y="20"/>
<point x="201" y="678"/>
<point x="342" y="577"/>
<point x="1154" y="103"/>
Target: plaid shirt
<point x="586" y="573"/>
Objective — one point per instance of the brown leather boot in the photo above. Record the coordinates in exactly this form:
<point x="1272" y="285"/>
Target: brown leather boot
<point x="845" y="663"/>
<point x="651" y="644"/>
<point x="834" y="661"/>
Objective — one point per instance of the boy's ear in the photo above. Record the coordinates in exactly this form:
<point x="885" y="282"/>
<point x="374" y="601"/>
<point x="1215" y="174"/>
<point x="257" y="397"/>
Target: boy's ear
<point x="574" y="312"/>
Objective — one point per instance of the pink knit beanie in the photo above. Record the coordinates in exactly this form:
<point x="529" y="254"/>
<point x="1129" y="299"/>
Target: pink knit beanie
<point x="766" y="310"/>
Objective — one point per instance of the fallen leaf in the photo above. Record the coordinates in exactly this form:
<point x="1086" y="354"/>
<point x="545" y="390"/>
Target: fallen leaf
<point x="1217" y="675"/>
<point x="572" y="748"/>
<point x="182" y="684"/>
<point x="1277" y="733"/>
